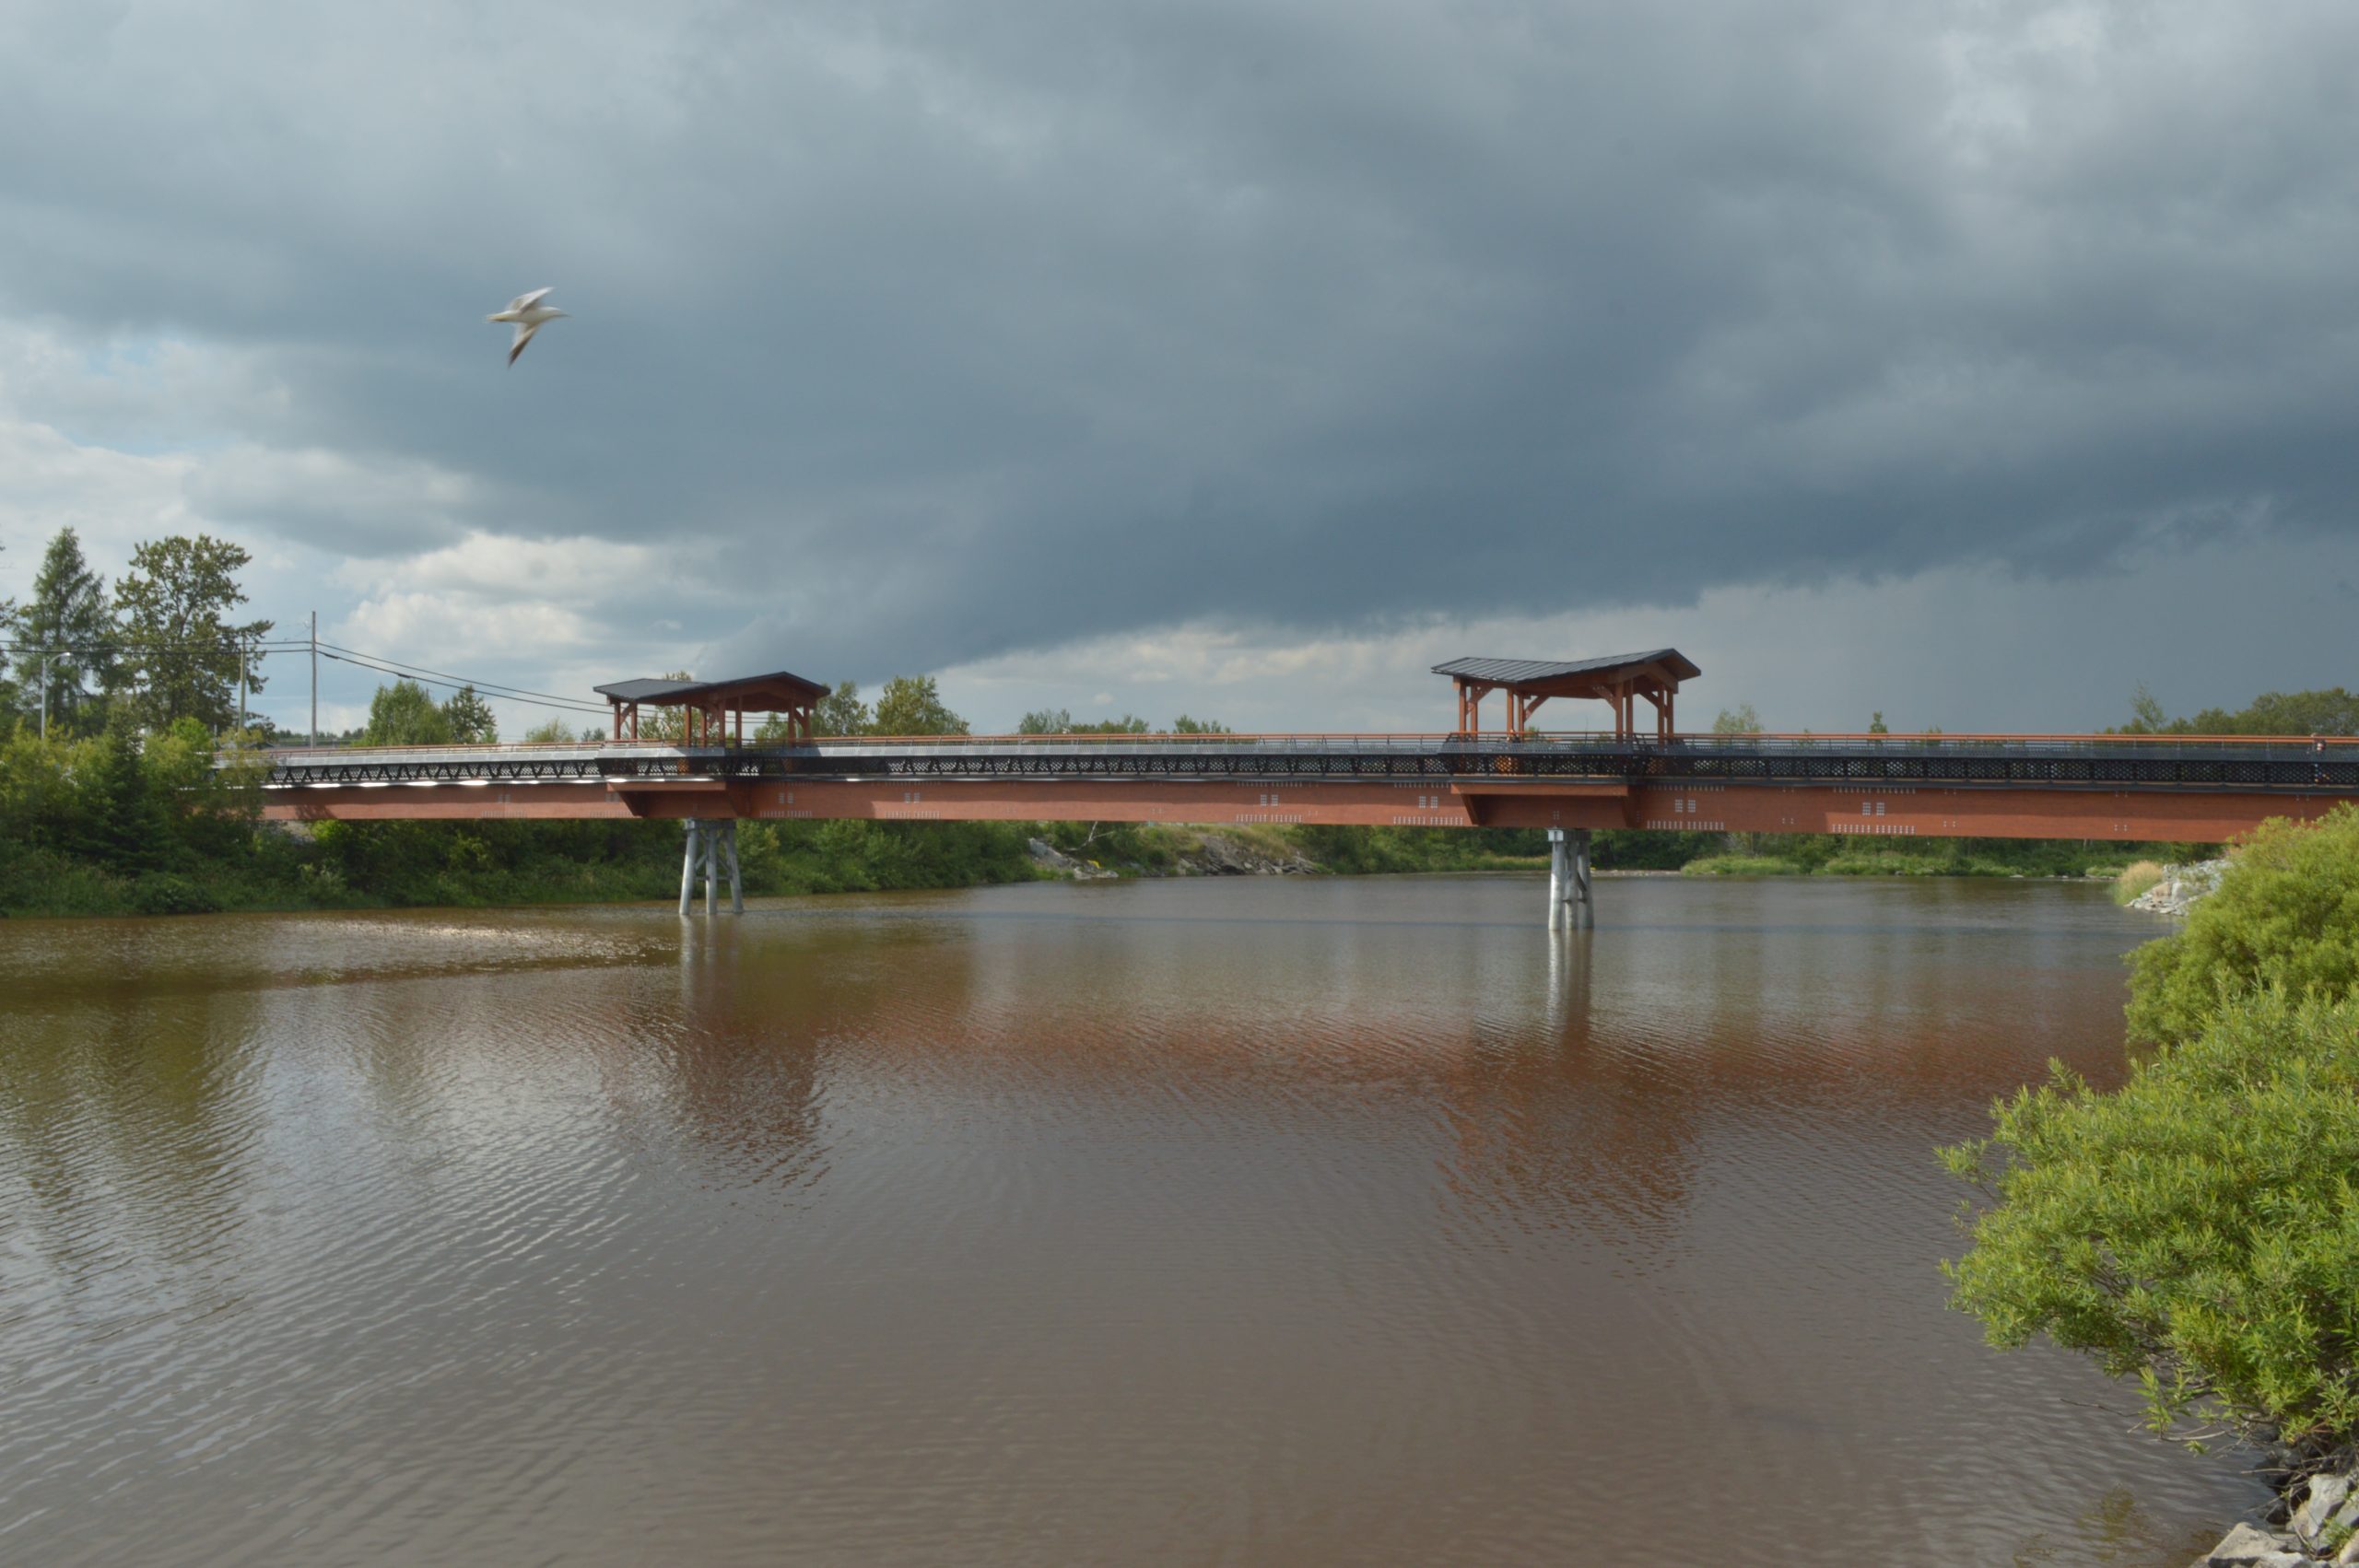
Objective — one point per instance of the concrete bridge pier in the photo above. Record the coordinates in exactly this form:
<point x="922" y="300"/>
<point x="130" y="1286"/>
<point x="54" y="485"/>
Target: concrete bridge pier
<point x="710" y="846"/>
<point x="1571" y="896"/>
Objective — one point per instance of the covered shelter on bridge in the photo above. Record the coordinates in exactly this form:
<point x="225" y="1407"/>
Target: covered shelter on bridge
<point x="706" y="706"/>
<point x="1620" y="681"/>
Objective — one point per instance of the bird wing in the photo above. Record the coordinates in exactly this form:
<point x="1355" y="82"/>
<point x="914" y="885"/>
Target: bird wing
<point x="524" y="302"/>
<point x="523" y="336"/>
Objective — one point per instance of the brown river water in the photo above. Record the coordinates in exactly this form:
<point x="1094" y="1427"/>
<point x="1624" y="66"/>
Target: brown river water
<point x="1213" y="1222"/>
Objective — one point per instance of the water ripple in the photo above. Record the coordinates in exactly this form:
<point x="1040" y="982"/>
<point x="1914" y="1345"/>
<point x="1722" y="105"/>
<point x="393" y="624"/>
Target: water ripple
<point x="1244" y="1221"/>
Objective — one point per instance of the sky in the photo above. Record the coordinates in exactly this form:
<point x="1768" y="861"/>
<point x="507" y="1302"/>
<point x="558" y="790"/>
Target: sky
<point x="1974" y="363"/>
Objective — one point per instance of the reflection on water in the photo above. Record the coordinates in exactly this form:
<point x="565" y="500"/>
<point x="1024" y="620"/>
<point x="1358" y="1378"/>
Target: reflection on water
<point x="1275" y="1221"/>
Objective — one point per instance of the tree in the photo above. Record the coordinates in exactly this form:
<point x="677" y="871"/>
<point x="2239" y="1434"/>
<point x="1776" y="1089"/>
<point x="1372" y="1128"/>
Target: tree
<point x="121" y="822"/>
<point x="556" y="734"/>
<point x="470" y="718"/>
<point x="1739" y="720"/>
<point x="402" y="715"/>
<point x="2196" y="1229"/>
<point x="1183" y="725"/>
<point x="1876" y="725"/>
<point x="2146" y="715"/>
<point x="2285" y="915"/>
<point x="1058" y="721"/>
<point x="7" y="635"/>
<point x="179" y="657"/>
<point x="69" y="625"/>
<point x="841" y="712"/>
<point x="909" y="705"/>
<point x="666" y="724"/>
<point x="2330" y="712"/>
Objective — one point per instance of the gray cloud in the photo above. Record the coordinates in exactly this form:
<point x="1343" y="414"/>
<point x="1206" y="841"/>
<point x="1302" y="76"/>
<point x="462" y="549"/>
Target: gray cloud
<point x="943" y="331"/>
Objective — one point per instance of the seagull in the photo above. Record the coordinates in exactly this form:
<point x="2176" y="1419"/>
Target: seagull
<point x="527" y="311"/>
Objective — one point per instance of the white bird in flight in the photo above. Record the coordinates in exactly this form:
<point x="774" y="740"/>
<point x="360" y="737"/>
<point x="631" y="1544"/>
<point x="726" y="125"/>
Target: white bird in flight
<point x="527" y="311"/>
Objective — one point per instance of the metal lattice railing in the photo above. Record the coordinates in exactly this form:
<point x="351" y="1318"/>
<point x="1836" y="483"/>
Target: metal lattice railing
<point x="2329" y="765"/>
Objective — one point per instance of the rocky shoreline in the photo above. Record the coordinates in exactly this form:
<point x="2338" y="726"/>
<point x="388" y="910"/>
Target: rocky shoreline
<point x="1213" y="854"/>
<point x="2322" y="1528"/>
<point x="2180" y="887"/>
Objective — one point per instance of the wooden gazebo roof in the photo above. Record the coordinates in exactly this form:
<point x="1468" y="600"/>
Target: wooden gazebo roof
<point x="1619" y="680"/>
<point x="708" y="702"/>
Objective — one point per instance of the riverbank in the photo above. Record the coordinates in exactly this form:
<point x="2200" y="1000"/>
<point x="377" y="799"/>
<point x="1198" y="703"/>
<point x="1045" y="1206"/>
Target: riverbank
<point x="399" y="865"/>
<point x="2070" y="860"/>
<point x="240" y="866"/>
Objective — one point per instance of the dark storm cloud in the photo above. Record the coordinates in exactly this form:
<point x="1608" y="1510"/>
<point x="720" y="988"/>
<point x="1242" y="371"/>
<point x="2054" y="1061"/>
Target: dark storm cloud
<point x="943" y="328"/>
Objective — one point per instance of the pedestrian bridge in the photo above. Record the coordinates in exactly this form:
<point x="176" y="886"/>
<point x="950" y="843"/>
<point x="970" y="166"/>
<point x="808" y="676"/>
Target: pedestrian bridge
<point x="2098" y="787"/>
<point x="1951" y="785"/>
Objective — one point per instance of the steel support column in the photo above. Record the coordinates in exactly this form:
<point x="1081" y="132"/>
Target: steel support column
<point x="1558" y="874"/>
<point x="1571" y="898"/>
<point x="712" y="853"/>
<point x="1584" y="893"/>
<point x="712" y="861"/>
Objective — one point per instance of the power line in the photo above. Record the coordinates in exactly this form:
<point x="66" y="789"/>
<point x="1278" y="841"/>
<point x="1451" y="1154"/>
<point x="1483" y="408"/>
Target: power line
<point x="364" y="661"/>
<point x="373" y="661"/>
<point x="492" y="686"/>
<point x="228" y="646"/>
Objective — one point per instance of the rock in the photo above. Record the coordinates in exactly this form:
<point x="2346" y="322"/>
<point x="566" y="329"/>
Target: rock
<point x="2248" y="1547"/>
<point x="1047" y="854"/>
<point x="2180" y="887"/>
<point x="2349" y="1554"/>
<point x="1219" y="854"/>
<point x="2319" y="1509"/>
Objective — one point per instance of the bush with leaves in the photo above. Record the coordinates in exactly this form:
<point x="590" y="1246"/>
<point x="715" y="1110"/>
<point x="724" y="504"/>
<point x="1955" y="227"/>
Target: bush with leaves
<point x="2286" y="913"/>
<point x="2197" y="1229"/>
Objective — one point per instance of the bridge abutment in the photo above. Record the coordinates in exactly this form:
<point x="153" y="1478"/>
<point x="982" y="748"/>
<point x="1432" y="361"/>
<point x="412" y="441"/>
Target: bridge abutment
<point x="1572" y="897"/>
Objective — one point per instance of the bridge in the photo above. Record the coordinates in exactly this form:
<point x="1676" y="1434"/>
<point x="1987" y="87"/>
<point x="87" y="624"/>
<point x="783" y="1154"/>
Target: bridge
<point x="2099" y="788"/>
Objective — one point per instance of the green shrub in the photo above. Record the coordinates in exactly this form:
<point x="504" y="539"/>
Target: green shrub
<point x="2197" y="1229"/>
<point x="2286" y="913"/>
<point x="160" y="892"/>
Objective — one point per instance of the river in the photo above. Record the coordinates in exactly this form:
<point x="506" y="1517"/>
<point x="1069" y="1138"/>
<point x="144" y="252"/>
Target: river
<point x="1239" y="1221"/>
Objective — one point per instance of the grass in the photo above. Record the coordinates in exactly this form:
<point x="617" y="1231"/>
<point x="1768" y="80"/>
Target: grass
<point x="2135" y="879"/>
<point x="1740" y="865"/>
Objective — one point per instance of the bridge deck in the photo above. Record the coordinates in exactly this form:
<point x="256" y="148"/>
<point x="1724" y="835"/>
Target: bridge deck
<point x="2059" y="761"/>
<point x="2108" y="787"/>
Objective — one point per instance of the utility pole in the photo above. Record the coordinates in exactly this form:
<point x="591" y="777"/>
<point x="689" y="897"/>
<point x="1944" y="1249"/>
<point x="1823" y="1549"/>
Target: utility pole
<point x="44" y="692"/>
<point x="315" y="677"/>
<point x="241" y="683"/>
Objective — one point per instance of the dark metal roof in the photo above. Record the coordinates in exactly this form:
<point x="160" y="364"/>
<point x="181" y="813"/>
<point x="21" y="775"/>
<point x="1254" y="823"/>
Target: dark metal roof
<point x="647" y="691"/>
<point x="1522" y="672"/>
<point x="663" y="693"/>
